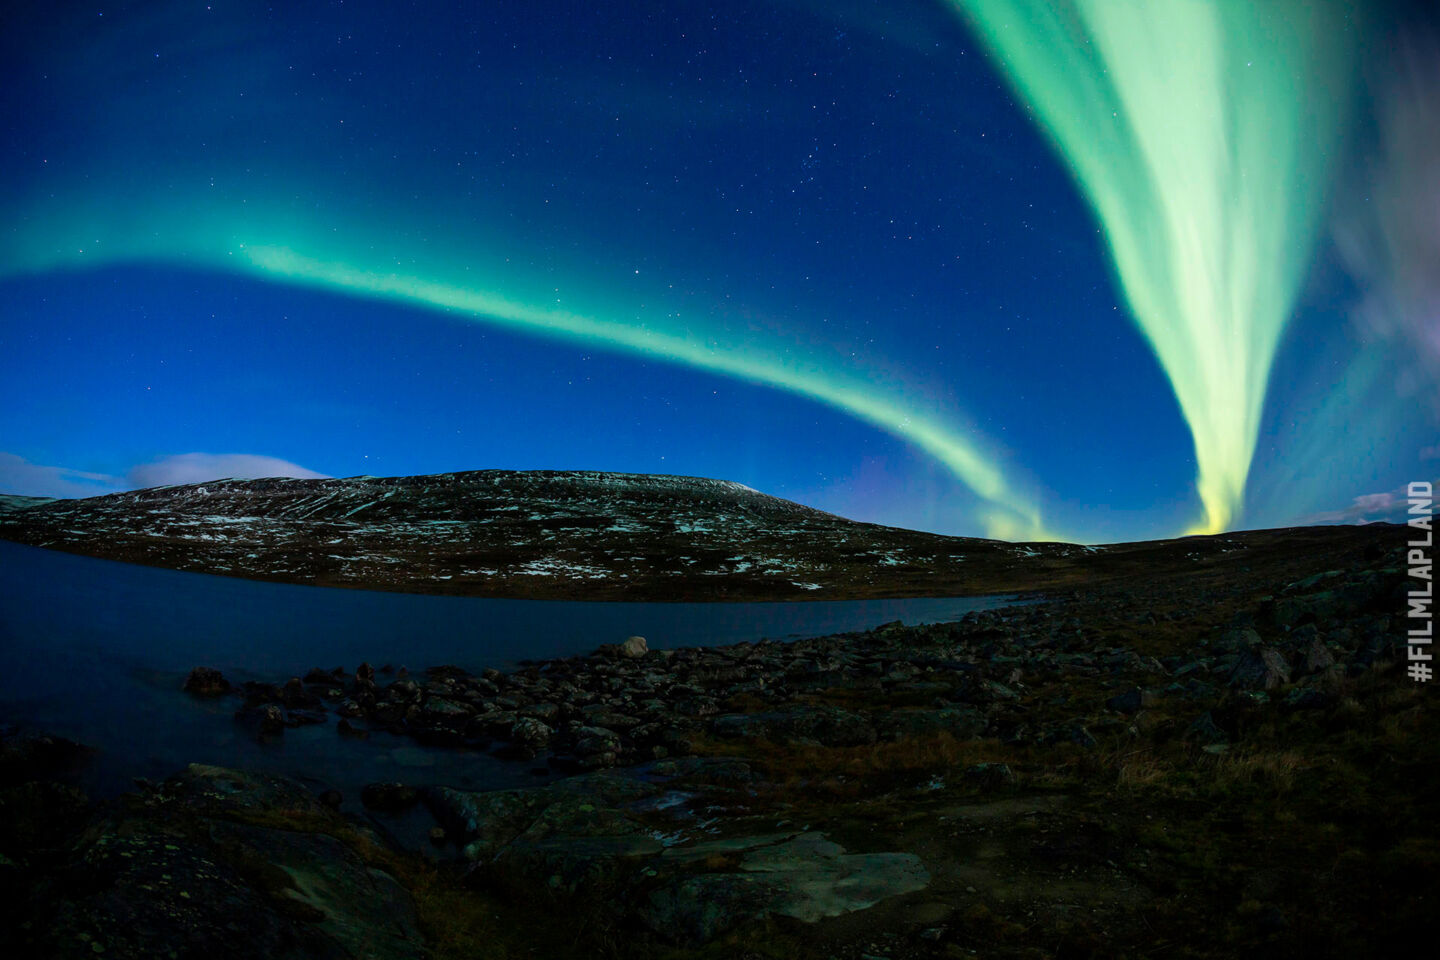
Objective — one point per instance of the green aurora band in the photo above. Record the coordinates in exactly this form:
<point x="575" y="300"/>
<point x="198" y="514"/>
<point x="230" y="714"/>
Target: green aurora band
<point x="200" y="234"/>
<point x="1005" y="516"/>
<point x="1201" y="133"/>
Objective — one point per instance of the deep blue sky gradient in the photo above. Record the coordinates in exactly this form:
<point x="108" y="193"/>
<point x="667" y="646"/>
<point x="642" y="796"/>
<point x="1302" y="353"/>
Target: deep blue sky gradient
<point x="850" y="179"/>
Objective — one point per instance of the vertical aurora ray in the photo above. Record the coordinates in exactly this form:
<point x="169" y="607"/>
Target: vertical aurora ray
<point x="1201" y="133"/>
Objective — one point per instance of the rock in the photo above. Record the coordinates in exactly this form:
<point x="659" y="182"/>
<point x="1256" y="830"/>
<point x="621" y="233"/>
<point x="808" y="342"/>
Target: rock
<point x="1262" y="669"/>
<point x="1127" y="703"/>
<point x="677" y="741"/>
<point x="696" y="707"/>
<point x="1317" y="659"/>
<point x="989" y="776"/>
<point x="1075" y="733"/>
<point x="206" y="682"/>
<point x="264" y="721"/>
<point x="593" y="740"/>
<point x="441" y="710"/>
<point x="807" y="877"/>
<point x="701" y="908"/>
<point x="304" y="718"/>
<point x="492" y="723"/>
<point x="389" y="797"/>
<point x="1185" y="669"/>
<point x="403" y="691"/>
<point x="1205" y="731"/>
<point x="42" y="757"/>
<point x="389" y="712"/>
<point x="184" y="878"/>
<point x="484" y="822"/>
<point x="531" y="733"/>
<point x="826" y="726"/>
<point x="220" y="791"/>
<point x="1309" y="698"/>
<point x="598" y="760"/>
<point x="633" y="648"/>
<point x="1237" y="640"/>
<point x="545" y="711"/>
<point x="602" y="716"/>
<point x="962" y="722"/>
<point x="998" y="690"/>
<point x="258" y="692"/>
<point x="346" y="729"/>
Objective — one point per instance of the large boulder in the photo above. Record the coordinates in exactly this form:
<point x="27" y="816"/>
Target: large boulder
<point x="593" y="829"/>
<point x="632" y="648"/>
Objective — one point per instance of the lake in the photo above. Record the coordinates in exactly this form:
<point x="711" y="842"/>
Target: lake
<point x="97" y="651"/>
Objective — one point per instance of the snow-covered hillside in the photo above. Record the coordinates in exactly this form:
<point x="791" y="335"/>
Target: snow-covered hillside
<point x="503" y="533"/>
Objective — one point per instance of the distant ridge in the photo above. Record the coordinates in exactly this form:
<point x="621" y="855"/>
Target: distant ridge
<point x="574" y="535"/>
<point x="10" y="502"/>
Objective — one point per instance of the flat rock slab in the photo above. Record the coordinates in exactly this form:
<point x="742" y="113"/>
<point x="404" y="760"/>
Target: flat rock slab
<point x="567" y="836"/>
<point x="817" y="878"/>
<point x="807" y="876"/>
<point x="182" y="878"/>
<point x="364" y="910"/>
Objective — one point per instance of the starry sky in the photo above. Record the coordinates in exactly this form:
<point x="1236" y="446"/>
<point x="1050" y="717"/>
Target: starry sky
<point x="1013" y="268"/>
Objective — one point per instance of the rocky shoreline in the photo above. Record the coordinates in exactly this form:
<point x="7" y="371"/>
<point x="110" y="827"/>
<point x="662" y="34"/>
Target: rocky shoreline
<point x="1209" y="769"/>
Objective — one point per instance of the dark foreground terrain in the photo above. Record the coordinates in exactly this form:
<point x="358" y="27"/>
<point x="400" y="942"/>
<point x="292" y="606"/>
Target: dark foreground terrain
<point x="1225" y="762"/>
<point x="580" y="535"/>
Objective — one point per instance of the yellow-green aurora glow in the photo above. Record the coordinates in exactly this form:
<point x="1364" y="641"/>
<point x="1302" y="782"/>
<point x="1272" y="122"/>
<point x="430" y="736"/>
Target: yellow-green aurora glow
<point x="1201" y="132"/>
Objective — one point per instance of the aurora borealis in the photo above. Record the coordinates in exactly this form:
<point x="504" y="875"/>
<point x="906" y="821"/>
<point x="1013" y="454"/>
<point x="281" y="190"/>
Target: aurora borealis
<point x="1202" y="134"/>
<point x="1032" y="270"/>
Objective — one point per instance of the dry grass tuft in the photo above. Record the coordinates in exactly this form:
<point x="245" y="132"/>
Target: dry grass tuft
<point x="1139" y="769"/>
<point x="1272" y="771"/>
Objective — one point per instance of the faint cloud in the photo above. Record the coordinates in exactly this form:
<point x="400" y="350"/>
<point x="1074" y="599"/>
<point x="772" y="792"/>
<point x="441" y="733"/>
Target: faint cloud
<point x="202" y="467"/>
<point x="1388" y="233"/>
<point x="20" y="476"/>
<point x="1390" y="507"/>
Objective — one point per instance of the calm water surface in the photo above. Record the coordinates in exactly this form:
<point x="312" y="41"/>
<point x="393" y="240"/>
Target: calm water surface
<point x="96" y="651"/>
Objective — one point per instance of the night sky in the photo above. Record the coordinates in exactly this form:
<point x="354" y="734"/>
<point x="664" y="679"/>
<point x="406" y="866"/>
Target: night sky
<point x="1002" y="268"/>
